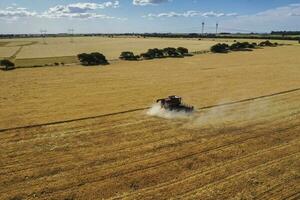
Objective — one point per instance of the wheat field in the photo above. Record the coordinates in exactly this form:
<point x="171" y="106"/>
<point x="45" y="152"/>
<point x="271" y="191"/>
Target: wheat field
<point x="73" y="132"/>
<point x="34" y="52"/>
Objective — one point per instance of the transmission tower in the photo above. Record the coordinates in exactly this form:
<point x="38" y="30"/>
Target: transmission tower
<point x="43" y="35"/>
<point x="71" y="33"/>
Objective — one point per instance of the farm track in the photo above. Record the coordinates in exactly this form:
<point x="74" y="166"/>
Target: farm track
<point x="14" y="56"/>
<point x="159" y="156"/>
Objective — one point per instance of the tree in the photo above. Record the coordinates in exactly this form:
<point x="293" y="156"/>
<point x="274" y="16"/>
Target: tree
<point x="7" y="64"/>
<point x="99" y="58"/>
<point x="220" y="48"/>
<point x="267" y="43"/>
<point x="146" y="56"/>
<point x="127" y="55"/>
<point x="156" y="53"/>
<point x="183" y="50"/>
<point x="153" y="53"/>
<point x="171" y="52"/>
<point x="241" y="46"/>
<point x="92" y="59"/>
<point x="166" y="52"/>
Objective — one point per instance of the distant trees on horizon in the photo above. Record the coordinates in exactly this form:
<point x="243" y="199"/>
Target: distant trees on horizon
<point x="240" y="46"/>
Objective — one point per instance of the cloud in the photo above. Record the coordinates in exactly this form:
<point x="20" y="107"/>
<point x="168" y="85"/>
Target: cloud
<point x="76" y="11"/>
<point x="280" y="18"/>
<point x="80" y="10"/>
<point x="148" y="2"/>
<point x="190" y="13"/>
<point x="284" y="11"/>
<point x="295" y="14"/>
<point x="13" y="13"/>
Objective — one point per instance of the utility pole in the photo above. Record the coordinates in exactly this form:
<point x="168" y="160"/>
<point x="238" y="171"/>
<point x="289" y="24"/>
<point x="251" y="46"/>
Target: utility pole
<point x="203" y="28"/>
<point x="71" y="33"/>
<point x="43" y="34"/>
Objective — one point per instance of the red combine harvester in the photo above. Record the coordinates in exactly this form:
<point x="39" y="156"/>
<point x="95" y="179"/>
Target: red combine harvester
<point x="173" y="103"/>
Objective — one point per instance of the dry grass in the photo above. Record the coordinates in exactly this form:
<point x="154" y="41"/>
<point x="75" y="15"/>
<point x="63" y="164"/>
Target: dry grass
<point x="243" y="151"/>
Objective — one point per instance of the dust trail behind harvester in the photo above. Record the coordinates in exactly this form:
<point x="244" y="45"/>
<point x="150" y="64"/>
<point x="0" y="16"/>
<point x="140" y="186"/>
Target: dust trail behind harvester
<point x="230" y="115"/>
<point x="157" y="111"/>
<point x="216" y="117"/>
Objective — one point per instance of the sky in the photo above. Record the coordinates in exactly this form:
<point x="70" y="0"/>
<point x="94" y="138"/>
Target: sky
<point x="148" y="16"/>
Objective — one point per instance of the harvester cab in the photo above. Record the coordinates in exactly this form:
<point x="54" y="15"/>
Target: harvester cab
<point x="174" y="103"/>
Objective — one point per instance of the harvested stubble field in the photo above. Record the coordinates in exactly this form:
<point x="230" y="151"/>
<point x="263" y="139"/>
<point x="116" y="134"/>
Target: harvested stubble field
<point x="61" y="50"/>
<point x="248" y="147"/>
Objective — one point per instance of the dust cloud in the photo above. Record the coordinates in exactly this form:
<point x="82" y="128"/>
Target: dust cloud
<point x="219" y="116"/>
<point x="157" y="111"/>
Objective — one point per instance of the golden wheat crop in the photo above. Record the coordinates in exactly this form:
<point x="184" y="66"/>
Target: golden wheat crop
<point x="78" y="132"/>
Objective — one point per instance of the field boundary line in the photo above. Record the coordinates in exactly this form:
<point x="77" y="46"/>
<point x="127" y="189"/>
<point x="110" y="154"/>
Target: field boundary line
<point x="145" y="108"/>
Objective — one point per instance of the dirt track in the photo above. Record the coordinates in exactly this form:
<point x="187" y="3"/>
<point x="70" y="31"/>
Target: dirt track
<point x="247" y="148"/>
